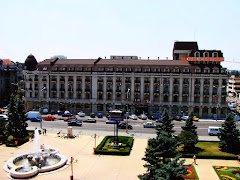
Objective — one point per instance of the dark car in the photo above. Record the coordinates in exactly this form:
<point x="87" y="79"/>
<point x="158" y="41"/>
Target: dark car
<point x="176" y="118"/>
<point x="89" y="120"/>
<point x="74" y="122"/>
<point x="99" y="115"/>
<point x="124" y="125"/>
<point x="156" y="117"/>
<point x="111" y="122"/>
<point x="92" y="115"/>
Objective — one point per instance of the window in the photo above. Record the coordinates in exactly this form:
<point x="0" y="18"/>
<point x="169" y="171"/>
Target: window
<point x="206" y="54"/>
<point x="197" y="70"/>
<point x="197" y="54"/>
<point x="214" y="54"/>
<point x="206" y="70"/>
<point x="186" y="70"/>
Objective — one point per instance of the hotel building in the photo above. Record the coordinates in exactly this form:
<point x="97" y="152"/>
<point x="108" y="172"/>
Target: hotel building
<point x="193" y="81"/>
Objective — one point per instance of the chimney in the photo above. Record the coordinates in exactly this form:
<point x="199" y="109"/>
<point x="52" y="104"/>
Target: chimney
<point x="158" y="58"/>
<point x="148" y="58"/>
<point x="166" y="58"/>
<point x="105" y="57"/>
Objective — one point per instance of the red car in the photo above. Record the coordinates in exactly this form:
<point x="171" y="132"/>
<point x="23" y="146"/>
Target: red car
<point x="71" y="117"/>
<point x="49" y="118"/>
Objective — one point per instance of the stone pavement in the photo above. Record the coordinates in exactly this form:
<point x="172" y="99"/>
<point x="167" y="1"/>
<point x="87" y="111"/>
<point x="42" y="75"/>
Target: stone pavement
<point x="87" y="166"/>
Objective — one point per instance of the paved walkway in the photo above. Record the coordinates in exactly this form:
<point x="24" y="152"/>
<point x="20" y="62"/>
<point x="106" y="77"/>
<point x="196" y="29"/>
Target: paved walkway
<point x="87" y="166"/>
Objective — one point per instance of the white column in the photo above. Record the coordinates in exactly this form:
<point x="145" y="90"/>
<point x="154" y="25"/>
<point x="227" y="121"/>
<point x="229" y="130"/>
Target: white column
<point x="66" y="87"/>
<point x="104" y="88"/>
<point x="74" y="87"/>
<point x="171" y="91"/>
<point x="58" y="86"/>
<point x="114" y="87"/>
<point x="151" y="89"/>
<point x="83" y="87"/>
<point x="142" y="88"/>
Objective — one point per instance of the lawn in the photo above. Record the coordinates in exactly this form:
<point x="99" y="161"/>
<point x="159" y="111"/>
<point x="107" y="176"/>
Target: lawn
<point x="208" y="150"/>
<point x="108" y="146"/>
<point x="226" y="172"/>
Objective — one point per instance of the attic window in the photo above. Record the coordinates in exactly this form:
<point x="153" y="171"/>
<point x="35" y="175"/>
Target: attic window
<point x="206" y="54"/>
<point x="100" y="69"/>
<point x="197" y="54"/>
<point x="44" y="68"/>
<point x="118" y="69"/>
<point x="215" y="54"/>
<point x="176" y="70"/>
<point x="147" y="70"/>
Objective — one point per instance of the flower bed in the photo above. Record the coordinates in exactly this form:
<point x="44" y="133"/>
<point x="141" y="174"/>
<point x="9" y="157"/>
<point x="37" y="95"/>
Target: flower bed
<point x="227" y="172"/>
<point x="192" y="174"/>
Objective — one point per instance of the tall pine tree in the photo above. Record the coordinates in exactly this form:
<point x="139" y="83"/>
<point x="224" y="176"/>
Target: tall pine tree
<point x="162" y="151"/>
<point x="229" y="136"/>
<point x="188" y="136"/>
<point x="17" y="126"/>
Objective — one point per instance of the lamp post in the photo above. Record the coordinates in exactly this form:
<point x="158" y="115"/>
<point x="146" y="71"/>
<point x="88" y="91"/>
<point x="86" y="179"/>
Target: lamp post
<point x="71" y="177"/>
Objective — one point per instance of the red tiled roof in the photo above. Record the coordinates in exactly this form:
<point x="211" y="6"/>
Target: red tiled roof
<point x="6" y="62"/>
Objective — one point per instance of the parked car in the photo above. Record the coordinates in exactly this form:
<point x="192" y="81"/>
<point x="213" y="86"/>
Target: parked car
<point x="90" y="120"/>
<point x="184" y="118"/>
<point x="213" y="131"/>
<point x="81" y="114"/>
<point x="70" y="117"/>
<point x="67" y="114"/>
<point x="59" y="112"/>
<point x="237" y="117"/>
<point x="142" y="116"/>
<point x="155" y="116"/>
<point x="92" y="115"/>
<point x="111" y="122"/>
<point x="124" y="125"/>
<point x="149" y="125"/>
<point x="195" y="118"/>
<point x="74" y="122"/>
<point x="133" y="117"/>
<point x="3" y="117"/>
<point x="36" y="119"/>
<point x="176" y="118"/>
<point x="99" y="115"/>
<point x="34" y="116"/>
<point x="49" y="118"/>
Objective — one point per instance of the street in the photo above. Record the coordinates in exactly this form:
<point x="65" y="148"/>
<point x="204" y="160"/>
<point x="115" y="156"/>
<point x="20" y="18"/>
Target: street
<point x="100" y="125"/>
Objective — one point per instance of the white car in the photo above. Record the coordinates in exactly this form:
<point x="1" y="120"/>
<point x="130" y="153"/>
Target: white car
<point x="133" y="117"/>
<point x="142" y="116"/>
<point x="149" y="125"/>
<point x="81" y="114"/>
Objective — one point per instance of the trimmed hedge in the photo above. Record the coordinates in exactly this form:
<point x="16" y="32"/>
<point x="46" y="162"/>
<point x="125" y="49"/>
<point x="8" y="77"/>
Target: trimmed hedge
<point x="105" y="149"/>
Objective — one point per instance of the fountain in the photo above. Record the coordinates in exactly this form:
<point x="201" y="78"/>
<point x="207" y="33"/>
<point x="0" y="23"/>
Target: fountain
<point x="43" y="159"/>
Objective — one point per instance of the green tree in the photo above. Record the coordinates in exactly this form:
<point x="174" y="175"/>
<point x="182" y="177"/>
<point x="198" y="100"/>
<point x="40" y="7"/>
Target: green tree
<point x="188" y="136"/>
<point x="162" y="151"/>
<point x="229" y="136"/>
<point x="17" y="126"/>
<point x="166" y="124"/>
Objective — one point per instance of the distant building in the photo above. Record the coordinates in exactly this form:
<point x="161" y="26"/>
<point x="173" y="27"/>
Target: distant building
<point x="234" y="85"/>
<point x="193" y="81"/>
<point x="10" y="74"/>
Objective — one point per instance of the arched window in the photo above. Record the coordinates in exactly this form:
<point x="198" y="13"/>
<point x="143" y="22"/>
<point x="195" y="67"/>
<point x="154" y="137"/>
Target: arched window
<point x="197" y="54"/>
<point x="206" y="54"/>
<point x="214" y="54"/>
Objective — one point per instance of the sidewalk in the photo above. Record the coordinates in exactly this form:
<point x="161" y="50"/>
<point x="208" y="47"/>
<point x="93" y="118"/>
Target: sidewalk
<point x="91" y="167"/>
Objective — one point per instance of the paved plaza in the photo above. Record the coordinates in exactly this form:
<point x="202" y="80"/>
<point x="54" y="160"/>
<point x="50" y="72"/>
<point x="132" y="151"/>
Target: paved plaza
<point x="88" y="166"/>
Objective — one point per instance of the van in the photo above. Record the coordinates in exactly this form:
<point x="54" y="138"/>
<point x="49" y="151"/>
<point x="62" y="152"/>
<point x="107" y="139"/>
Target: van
<point x="34" y="116"/>
<point x="3" y="117"/>
<point x="213" y="131"/>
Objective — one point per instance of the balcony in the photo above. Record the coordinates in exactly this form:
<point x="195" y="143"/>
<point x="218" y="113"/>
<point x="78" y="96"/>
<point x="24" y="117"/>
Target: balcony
<point x="87" y="89"/>
<point x="109" y="90"/>
<point x="146" y="91"/>
<point x="100" y="89"/>
<point x="176" y="81"/>
<point x="137" y="90"/>
<point x="146" y="81"/>
<point x="35" y="79"/>
<point x="127" y="80"/>
<point x="54" y="79"/>
<point x="118" y="80"/>
<point x="118" y="90"/>
<point x="53" y="89"/>
<point x="156" y="91"/>
<point x="176" y="92"/>
<point x="100" y="80"/>
<point x="137" y="81"/>
<point x="30" y="79"/>
<point x="62" y="79"/>
<point x="44" y="79"/>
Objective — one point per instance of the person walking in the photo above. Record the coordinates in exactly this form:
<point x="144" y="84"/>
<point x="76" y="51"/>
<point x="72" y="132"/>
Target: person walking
<point x="194" y="159"/>
<point x="44" y="131"/>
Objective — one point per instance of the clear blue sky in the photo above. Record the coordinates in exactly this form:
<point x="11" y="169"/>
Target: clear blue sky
<point x="99" y="28"/>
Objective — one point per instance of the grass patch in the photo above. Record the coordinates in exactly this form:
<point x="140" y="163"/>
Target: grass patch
<point x="108" y="146"/>
<point x="207" y="150"/>
<point x="226" y="172"/>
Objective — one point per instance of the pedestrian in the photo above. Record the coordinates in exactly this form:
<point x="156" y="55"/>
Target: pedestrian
<point x="194" y="159"/>
<point x="44" y="131"/>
